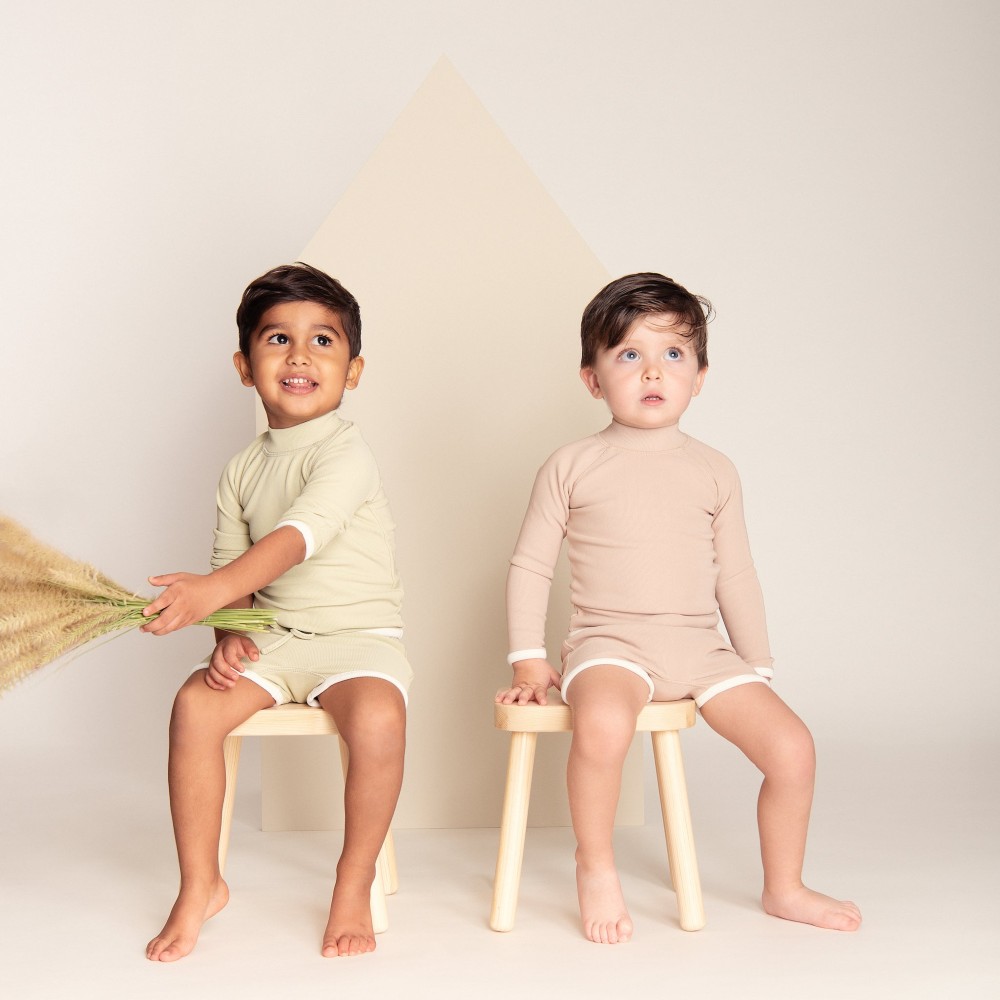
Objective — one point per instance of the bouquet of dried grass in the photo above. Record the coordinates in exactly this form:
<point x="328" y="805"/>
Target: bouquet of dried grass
<point x="50" y="604"/>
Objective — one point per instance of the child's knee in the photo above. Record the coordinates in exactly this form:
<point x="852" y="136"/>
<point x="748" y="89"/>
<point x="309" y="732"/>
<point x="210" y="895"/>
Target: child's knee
<point x="601" y="733"/>
<point x="190" y="711"/>
<point x="377" y="731"/>
<point x="185" y="699"/>
<point x="794" y="759"/>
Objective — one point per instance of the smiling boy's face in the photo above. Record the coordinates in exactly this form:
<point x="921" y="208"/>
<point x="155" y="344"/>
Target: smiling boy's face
<point x="648" y="379"/>
<point x="299" y="363"/>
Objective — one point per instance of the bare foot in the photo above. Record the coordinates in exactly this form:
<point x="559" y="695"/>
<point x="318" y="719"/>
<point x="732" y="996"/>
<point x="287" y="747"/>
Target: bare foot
<point x="193" y="907"/>
<point x="809" y="907"/>
<point x="349" y="929"/>
<point x="602" y="905"/>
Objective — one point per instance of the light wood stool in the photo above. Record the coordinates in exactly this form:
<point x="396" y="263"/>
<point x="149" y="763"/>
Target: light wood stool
<point x="662" y="720"/>
<point x="301" y="720"/>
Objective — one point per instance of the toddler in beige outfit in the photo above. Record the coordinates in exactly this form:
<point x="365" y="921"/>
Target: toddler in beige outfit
<point x="657" y="544"/>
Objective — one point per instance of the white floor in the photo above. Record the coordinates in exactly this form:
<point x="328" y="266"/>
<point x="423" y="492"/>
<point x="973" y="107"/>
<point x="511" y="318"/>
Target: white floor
<point x="87" y="876"/>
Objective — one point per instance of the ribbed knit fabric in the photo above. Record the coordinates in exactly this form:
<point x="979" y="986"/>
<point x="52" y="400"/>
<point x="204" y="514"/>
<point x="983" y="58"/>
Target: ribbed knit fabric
<point x="655" y="530"/>
<point x="320" y="477"/>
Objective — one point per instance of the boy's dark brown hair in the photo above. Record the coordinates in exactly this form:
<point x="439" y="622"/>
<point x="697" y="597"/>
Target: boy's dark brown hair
<point x="297" y="282"/>
<point x="612" y="311"/>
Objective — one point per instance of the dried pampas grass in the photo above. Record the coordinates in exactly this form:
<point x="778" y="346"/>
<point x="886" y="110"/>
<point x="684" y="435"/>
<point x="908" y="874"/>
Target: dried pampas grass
<point x="50" y="603"/>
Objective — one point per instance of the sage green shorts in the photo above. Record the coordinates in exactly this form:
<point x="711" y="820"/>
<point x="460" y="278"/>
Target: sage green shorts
<point x="296" y="666"/>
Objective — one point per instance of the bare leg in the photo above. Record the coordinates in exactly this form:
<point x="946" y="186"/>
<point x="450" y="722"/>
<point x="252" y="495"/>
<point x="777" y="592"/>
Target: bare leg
<point x="201" y="719"/>
<point x="371" y="717"/>
<point x="606" y="701"/>
<point x="776" y="740"/>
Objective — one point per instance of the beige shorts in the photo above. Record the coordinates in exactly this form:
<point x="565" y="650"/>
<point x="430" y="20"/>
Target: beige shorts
<point x="297" y="666"/>
<point x="675" y="661"/>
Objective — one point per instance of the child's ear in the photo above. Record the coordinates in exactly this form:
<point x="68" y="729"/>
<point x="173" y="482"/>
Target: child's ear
<point x="589" y="377"/>
<point x="354" y="370"/>
<point x="242" y="363"/>
<point x="699" y="380"/>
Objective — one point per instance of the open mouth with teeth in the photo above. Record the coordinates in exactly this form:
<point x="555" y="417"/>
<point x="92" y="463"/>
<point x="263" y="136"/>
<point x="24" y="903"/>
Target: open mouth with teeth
<point x="652" y="398"/>
<point x="299" y="384"/>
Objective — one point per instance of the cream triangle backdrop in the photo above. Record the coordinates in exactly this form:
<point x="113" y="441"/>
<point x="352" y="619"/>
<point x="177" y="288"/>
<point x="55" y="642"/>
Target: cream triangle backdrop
<point x="469" y="276"/>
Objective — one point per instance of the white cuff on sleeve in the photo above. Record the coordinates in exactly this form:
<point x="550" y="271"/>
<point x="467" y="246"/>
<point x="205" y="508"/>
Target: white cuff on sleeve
<point x="303" y="529"/>
<point x="525" y="654"/>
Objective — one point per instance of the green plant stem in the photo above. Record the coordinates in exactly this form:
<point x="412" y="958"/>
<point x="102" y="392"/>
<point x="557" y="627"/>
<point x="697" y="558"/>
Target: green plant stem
<point x="227" y="619"/>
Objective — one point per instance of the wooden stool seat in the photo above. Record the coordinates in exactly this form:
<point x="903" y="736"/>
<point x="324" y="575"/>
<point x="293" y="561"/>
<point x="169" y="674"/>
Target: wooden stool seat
<point x="300" y="720"/>
<point x="663" y="721"/>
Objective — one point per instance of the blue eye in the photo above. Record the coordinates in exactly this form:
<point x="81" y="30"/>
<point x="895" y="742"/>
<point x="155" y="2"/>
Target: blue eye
<point x="673" y="354"/>
<point x="630" y="354"/>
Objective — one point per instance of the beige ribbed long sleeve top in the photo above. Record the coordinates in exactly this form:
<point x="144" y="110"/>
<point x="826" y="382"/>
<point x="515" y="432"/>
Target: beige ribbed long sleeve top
<point x="655" y="530"/>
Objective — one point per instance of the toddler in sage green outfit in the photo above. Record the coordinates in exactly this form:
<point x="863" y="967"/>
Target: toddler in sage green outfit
<point x="304" y="529"/>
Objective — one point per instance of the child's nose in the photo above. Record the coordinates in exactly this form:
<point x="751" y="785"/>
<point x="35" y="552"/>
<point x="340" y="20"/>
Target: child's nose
<point x="652" y="371"/>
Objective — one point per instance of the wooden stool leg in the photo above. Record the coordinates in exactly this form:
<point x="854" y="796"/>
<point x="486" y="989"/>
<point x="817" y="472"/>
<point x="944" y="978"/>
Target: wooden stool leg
<point x="677" y="828"/>
<point x="380" y="913"/>
<point x="512" y="828"/>
<point x="231" y="746"/>
<point x="387" y="865"/>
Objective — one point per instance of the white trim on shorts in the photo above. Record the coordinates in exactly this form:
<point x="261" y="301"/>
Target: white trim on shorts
<point x="613" y="661"/>
<point x="269" y="686"/>
<point x="731" y="682"/>
<point x="313" y="697"/>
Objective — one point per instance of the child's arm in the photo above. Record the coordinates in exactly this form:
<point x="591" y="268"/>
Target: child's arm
<point x="189" y="597"/>
<point x="529" y="580"/>
<point x="737" y="588"/>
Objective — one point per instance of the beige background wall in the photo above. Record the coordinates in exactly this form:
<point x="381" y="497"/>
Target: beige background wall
<point x="825" y="173"/>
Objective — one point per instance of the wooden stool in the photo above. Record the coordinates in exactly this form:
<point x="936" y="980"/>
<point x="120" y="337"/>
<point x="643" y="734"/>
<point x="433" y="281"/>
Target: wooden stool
<point x="662" y="720"/>
<point x="301" y="720"/>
